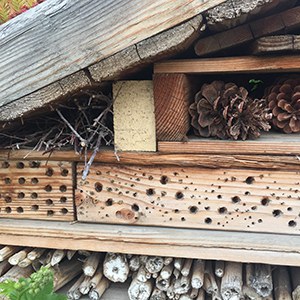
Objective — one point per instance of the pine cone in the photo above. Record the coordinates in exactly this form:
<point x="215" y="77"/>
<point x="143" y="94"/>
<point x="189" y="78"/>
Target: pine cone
<point x="284" y="101"/>
<point x="226" y="111"/>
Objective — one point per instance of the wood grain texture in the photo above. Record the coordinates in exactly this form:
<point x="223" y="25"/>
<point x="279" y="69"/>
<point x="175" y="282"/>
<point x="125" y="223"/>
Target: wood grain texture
<point x="76" y="34"/>
<point x="268" y="144"/>
<point x="278" y="23"/>
<point x="225" y="65"/>
<point x="173" y="94"/>
<point x="269" y="248"/>
<point x="213" y="160"/>
<point x="36" y="190"/>
<point x="221" y="199"/>
<point x="276" y="44"/>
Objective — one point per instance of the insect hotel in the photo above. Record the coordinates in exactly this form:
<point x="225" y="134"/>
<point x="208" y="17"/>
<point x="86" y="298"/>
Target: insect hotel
<point x="151" y="149"/>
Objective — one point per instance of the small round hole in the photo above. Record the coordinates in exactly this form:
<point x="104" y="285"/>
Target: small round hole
<point x="254" y="207"/>
<point x="208" y="220"/>
<point x="135" y="207"/>
<point x="236" y="199"/>
<point x="265" y="201"/>
<point x="49" y="172"/>
<point x="50" y="212"/>
<point x="34" y="164"/>
<point x="176" y="211"/>
<point x="49" y="202"/>
<point x="21" y="180"/>
<point x="179" y="195"/>
<point x="48" y="188"/>
<point x="277" y="213"/>
<point x="63" y="199"/>
<point x="63" y="188"/>
<point x="259" y="220"/>
<point x="193" y="209"/>
<point x="289" y="209"/>
<point x="5" y="165"/>
<point x="150" y="192"/>
<point x="182" y="219"/>
<point x="64" y="211"/>
<point x="21" y="195"/>
<point x="20" y="165"/>
<point x="249" y="180"/>
<point x="34" y="195"/>
<point x="7" y="180"/>
<point x="20" y="210"/>
<point x="34" y="180"/>
<point x="292" y="223"/>
<point x="222" y="210"/>
<point x="7" y="199"/>
<point x="109" y="202"/>
<point x="164" y="179"/>
<point x="64" y="172"/>
<point x="8" y="210"/>
<point x="35" y="207"/>
<point x="98" y="187"/>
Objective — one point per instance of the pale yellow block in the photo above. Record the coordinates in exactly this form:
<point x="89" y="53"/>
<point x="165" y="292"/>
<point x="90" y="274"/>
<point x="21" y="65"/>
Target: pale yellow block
<point x="134" y="119"/>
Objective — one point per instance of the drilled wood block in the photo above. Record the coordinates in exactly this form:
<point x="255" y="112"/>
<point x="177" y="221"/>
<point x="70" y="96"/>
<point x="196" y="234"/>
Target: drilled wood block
<point x="36" y="190"/>
<point x="226" y="199"/>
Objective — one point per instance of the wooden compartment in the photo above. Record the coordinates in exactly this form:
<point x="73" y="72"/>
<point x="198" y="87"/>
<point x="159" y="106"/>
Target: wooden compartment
<point x="191" y="197"/>
<point x="36" y="190"/>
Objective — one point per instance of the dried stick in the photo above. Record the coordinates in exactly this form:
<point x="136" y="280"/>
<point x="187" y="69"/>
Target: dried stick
<point x="219" y="268"/>
<point x="262" y="279"/>
<point x="19" y="256"/>
<point x="15" y="273"/>
<point x="57" y="257"/>
<point x="295" y="275"/>
<point x="73" y="292"/>
<point x="35" y="253"/>
<point x="154" y="264"/>
<point x="201" y="295"/>
<point x="4" y="267"/>
<point x="168" y="260"/>
<point x="210" y="284"/>
<point x="163" y="284"/>
<point x="182" y="285"/>
<point x="198" y="273"/>
<point x="167" y="271"/>
<point x="134" y="263"/>
<point x="70" y="254"/>
<point x="25" y="262"/>
<point x="140" y="290"/>
<point x="85" y="285"/>
<point x="115" y="267"/>
<point x="194" y="293"/>
<point x="178" y="263"/>
<point x="185" y="271"/>
<point x="8" y="251"/>
<point x="142" y="274"/>
<point x="282" y="284"/>
<point x="158" y="295"/>
<point x="91" y="264"/>
<point x="98" y="291"/>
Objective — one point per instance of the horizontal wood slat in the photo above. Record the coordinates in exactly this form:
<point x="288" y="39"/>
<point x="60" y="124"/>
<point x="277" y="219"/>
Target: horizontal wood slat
<point x="206" y="244"/>
<point x="36" y="190"/>
<point x="224" y="199"/>
<point x="246" y="64"/>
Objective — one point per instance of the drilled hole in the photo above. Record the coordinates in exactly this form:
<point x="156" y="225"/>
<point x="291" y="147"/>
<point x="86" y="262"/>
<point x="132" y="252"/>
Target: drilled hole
<point x="164" y="179"/>
<point x="48" y="188"/>
<point x="236" y="199"/>
<point x="34" y="180"/>
<point x="49" y="172"/>
<point x="176" y="211"/>
<point x="254" y="207"/>
<point x="292" y="223"/>
<point x="7" y="199"/>
<point x="34" y="195"/>
<point x="277" y="213"/>
<point x="21" y="180"/>
<point x="20" y="210"/>
<point x="64" y="211"/>
<point x="7" y="180"/>
<point x="8" y="210"/>
<point x="21" y="195"/>
<point x="63" y="199"/>
<point x="289" y="209"/>
<point x="150" y="192"/>
<point x="208" y="220"/>
<point x="259" y="220"/>
<point x="35" y="207"/>
<point x="49" y="202"/>
<point x="135" y="207"/>
<point x="50" y="212"/>
<point x="222" y="210"/>
<point x="98" y="187"/>
<point x="249" y="180"/>
<point x="247" y="193"/>
<point x="34" y="164"/>
<point x="179" y="195"/>
<point x="265" y="201"/>
<point x="63" y="188"/>
<point x="20" y="165"/>
<point x="193" y="209"/>
<point x="109" y="202"/>
<point x="5" y="165"/>
<point x="64" y="172"/>
<point x="219" y="196"/>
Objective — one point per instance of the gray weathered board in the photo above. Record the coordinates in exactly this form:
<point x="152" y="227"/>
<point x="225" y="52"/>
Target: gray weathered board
<point x="226" y="199"/>
<point x="58" y="38"/>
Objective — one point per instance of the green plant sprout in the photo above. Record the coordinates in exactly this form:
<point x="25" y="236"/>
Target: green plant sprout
<point x="39" y="286"/>
<point x="256" y="83"/>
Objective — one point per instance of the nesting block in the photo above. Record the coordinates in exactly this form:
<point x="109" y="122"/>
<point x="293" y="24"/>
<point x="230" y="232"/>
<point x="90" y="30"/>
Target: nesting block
<point x="134" y="120"/>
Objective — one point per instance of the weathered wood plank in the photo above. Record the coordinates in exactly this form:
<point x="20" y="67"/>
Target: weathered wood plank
<point x="217" y="160"/>
<point x="276" y="44"/>
<point x="36" y="190"/>
<point x="243" y="64"/>
<point x="278" y="23"/>
<point x="268" y="143"/>
<point x="76" y="34"/>
<point x="219" y="199"/>
<point x="277" y="249"/>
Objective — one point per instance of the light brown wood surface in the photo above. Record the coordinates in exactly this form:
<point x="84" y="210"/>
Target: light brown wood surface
<point x="219" y="199"/>
<point x="226" y="65"/>
<point x="278" y="249"/>
<point x="36" y="190"/>
<point x="75" y="35"/>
